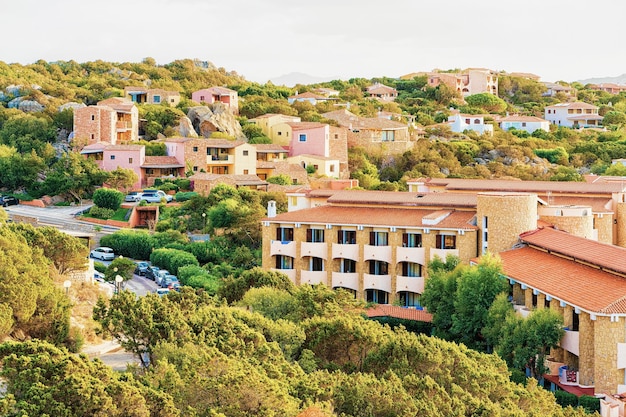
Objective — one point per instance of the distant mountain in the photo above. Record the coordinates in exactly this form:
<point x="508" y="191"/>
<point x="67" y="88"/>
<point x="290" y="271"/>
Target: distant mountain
<point x="620" y="79"/>
<point x="291" y="79"/>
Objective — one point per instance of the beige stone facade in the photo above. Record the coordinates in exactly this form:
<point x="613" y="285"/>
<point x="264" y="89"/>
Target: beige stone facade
<point x="113" y="120"/>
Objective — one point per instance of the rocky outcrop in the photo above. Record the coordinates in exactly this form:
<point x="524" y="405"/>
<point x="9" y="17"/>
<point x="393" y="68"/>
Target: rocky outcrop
<point x="185" y="128"/>
<point x="25" y="105"/>
<point x="71" y="105"/>
<point x="217" y="118"/>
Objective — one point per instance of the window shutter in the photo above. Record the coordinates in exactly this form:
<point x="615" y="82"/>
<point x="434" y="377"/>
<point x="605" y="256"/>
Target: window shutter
<point x="439" y="241"/>
<point x="372" y="238"/>
<point x="309" y="235"/>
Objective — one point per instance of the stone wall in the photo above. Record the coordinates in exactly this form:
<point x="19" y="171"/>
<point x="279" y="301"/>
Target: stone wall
<point x="607" y="335"/>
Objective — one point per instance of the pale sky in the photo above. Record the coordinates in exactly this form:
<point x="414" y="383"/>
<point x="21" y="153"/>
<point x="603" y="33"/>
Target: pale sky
<point x="262" y="39"/>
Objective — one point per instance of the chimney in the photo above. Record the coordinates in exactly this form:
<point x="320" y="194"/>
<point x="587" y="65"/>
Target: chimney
<point x="271" y="208"/>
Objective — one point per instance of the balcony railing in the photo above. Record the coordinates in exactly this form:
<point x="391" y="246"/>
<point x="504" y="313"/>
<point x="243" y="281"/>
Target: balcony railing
<point x="316" y="249"/>
<point x="346" y="280"/>
<point x="377" y="282"/>
<point x="291" y="273"/>
<point x="219" y="159"/>
<point x="570" y="342"/>
<point x="123" y="125"/>
<point x="411" y="284"/>
<point x="279" y="247"/>
<point x="377" y="253"/>
<point x="416" y="255"/>
<point x="346" y="251"/>
<point x="442" y="253"/>
<point x="313" y="277"/>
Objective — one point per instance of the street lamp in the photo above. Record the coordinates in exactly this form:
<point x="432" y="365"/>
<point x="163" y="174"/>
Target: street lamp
<point x="118" y="283"/>
<point x="67" y="284"/>
<point x="203" y="222"/>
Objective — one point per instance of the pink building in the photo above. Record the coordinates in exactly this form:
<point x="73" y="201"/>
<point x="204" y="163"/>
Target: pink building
<point x="309" y="138"/>
<point x="213" y="94"/>
<point x="110" y="157"/>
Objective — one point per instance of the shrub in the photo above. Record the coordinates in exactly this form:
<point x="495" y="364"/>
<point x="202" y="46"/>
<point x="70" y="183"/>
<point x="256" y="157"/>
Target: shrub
<point x="183" y="183"/>
<point x="168" y="186"/>
<point x="180" y="196"/>
<point x="172" y="259"/>
<point x="589" y="403"/>
<point x="564" y="398"/>
<point x="99" y="266"/>
<point x="136" y="244"/>
<point x="282" y="179"/>
<point x="108" y="198"/>
<point x="101" y="212"/>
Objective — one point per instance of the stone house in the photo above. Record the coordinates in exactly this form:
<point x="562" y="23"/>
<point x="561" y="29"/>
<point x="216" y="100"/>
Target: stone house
<point x="143" y="95"/>
<point x="112" y="120"/>
<point x="218" y="94"/>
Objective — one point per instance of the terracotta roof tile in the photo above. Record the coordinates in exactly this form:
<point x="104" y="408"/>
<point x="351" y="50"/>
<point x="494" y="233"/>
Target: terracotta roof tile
<point x="404" y="198"/>
<point x="609" y="257"/>
<point x="399" y="217"/>
<point x="539" y="187"/>
<point x="161" y="162"/>
<point x="269" y="148"/>
<point x="583" y="286"/>
<point x="386" y="310"/>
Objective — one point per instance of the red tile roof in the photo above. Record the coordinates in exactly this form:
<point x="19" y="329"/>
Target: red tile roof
<point x="386" y="310"/>
<point x="540" y="187"/>
<point x="161" y="162"/>
<point x="602" y="255"/>
<point x="379" y="216"/>
<point x="579" y="285"/>
<point x="448" y="200"/>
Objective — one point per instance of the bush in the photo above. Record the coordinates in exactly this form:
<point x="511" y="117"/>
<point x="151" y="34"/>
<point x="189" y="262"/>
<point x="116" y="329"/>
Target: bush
<point x="282" y="179"/>
<point x="172" y="259"/>
<point x="108" y="198"/>
<point x="564" y="398"/>
<point x="183" y="183"/>
<point x="168" y="186"/>
<point x="136" y="244"/>
<point x="101" y="212"/>
<point x="518" y="377"/>
<point x="180" y="196"/>
<point x="99" y="266"/>
<point x="589" y="403"/>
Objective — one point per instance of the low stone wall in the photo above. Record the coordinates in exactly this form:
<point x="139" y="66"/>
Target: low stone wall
<point x="33" y="203"/>
<point x="108" y="222"/>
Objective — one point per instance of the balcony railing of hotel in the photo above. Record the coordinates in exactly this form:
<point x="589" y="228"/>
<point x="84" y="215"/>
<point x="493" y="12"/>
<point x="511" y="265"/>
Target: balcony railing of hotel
<point x="377" y="282"/>
<point x="443" y="253"/>
<point x="316" y="249"/>
<point x="123" y="125"/>
<point x="571" y="341"/>
<point x="417" y="255"/>
<point x="279" y="247"/>
<point x="291" y="273"/>
<point x="377" y="253"/>
<point x="346" y="280"/>
<point x="313" y="277"/>
<point x="346" y="251"/>
<point x="411" y="284"/>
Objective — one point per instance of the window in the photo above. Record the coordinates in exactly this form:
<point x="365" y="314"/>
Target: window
<point x="284" y="262"/>
<point x="378" y="267"/>
<point x="280" y="133"/>
<point x="316" y="264"/>
<point x="331" y="168"/>
<point x="523" y="124"/>
<point x="376" y="296"/>
<point x="476" y="121"/>
<point x="410" y="299"/>
<point x="336" y="136"/>
<point x="195" y="169"/>
<point x="93" y="136"/>
<point x="412" y="240"/>
<point x="294" y="201"/>
<point x="149" y="171"/>
<point x="302" y="137"/>
<point x="467" y="121"/>
<point x="284" y="234"/>
<point x="446" y="242"/>
<point x="347" y="266"/>
<point x="245" y="153"/>
<point x="157" y="99"/>
<point x="201" y="98"/>
<point x="93" y="117"/>
<point x="315" y="235"/>
<point x="379" y="238"/>
<point x="112" y="157"/>
<point x="411" y="269"/>
<point x="388" y="136"/>
<point x="195" y="149"/>
<point x="130" y="160"/>
<point x="245" y="172"/>
<point x="346" y="237"/>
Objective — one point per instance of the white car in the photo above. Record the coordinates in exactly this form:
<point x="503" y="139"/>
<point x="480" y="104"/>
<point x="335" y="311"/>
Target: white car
<point x="155" y="196"/>
<point x="133" y="197"/>
<point x="103" y="253"/>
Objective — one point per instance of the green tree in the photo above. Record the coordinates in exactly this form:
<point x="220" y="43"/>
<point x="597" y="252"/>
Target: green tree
<point x="616" y="169"/>
<point x="486" y="101"/>
<point x="72" y="176"/>
<point x="123" y="267"/>
<point x="122" y="179"/>
<point x="108" y="198"/>
<point x="235" y="288"/>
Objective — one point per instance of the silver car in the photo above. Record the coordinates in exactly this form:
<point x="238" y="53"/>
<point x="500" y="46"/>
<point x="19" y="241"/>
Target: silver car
<point x="103" y="253"/>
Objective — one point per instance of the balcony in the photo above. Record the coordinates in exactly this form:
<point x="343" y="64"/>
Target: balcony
<point x="291" y="273"/>
<point x="346" y="280"/>
<point x="346" y="251"/>
<point x="377" y="282"/>
<point x="570" y="342"/>
<point x="313" y="277"/>
<point x="443" y="253"/>
<point x="279" y="247"/>
<point x="377" y="253"/>
<point x="411" y="284"/>
<point x="122" y="126"/>
<point x="415" y="255"/>
<point x="219" y="159"/>
<point x="317" y="249"/>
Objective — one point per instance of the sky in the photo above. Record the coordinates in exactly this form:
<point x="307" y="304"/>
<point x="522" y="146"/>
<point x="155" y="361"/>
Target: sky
<point x="565" y="40"/>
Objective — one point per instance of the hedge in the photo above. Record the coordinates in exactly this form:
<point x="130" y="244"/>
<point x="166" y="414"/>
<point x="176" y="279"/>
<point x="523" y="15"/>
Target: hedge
<point x="172" y="259"/>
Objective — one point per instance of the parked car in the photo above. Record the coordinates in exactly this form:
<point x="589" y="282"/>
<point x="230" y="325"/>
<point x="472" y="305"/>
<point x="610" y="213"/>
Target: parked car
<point x="133" y="196"/>
<point x="149" y="274"/>
<point x="155" y="196"/>
<point x="162" y="291"/>
<point x="160" y="275"/>
<point x="103" y="253"/>
<point x="155" y="272"/>
<point x="98" y="276"/>
<point x="9" y="200"/>
<point x="168" y="280"/>
<point x="142" y="268"/>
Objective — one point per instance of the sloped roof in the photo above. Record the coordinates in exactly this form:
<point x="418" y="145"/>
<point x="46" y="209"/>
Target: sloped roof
<point x="351" y="120"/>
<point x="375" y="216"/>
<point x="517" y="118"/>
<point x="161" y="162"/>
<point x="602" y="255"/>
<point x="386" y="310"/>
<point x="404" y="198"/>
<point x="270" y="148"/>
<point x="573" y="105"/>
<point x="558" y="187"/>
<point x="579" y="285"/>
<point x="308" y="94"/>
